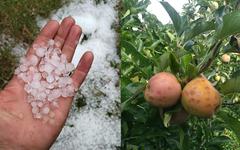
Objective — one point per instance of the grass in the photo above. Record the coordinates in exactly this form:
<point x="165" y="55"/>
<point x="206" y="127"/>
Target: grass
<point x="8" y="63"/>
<point x="18" y="17"/>
<point x="18" y="20"/>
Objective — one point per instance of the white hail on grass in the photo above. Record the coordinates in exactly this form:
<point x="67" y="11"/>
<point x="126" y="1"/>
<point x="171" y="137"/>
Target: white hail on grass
<point x="90" y="127"/>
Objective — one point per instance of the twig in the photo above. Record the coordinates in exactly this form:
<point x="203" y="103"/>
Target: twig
<point x="214" y="51"/>
<point x="229" y="104"/>
<point x="138" y="92"/>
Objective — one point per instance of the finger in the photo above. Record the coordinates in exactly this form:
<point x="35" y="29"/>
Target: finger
<point x="63" y="31"/>
<point x="78" y="77"/>
<point x="47" y="33"/>
<point x="82" y="69"/>
<point x="71" y="42"/>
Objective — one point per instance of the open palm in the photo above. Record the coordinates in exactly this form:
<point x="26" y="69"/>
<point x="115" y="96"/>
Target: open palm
<point x="18" y="129"/>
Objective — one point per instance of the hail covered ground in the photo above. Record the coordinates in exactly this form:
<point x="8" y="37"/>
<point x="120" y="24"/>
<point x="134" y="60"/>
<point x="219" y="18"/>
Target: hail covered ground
<point x="97" y="124"/>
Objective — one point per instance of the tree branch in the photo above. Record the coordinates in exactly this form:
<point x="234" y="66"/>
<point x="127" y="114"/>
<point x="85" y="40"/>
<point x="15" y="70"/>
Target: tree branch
<point x="214" y="51"/>
<point x="229" y="104"/>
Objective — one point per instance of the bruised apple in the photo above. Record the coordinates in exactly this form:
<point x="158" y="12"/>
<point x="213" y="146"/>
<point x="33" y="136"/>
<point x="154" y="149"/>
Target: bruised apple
<point x="200" y="98"/>
<point x="163" y="90"/>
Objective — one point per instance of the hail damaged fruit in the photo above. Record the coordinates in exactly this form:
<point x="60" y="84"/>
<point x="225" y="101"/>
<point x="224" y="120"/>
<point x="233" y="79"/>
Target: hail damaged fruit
<point x="200" y="98"/>
<point x="226" y="58"/>
<point x="46" y="77"/>
<point x="163" y="90"/>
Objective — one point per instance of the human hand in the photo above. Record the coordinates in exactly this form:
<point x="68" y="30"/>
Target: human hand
<point x="18" y="129"/>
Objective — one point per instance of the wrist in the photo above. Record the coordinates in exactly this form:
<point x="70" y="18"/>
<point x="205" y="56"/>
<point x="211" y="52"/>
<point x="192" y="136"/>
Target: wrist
<point x="7" y="147"/>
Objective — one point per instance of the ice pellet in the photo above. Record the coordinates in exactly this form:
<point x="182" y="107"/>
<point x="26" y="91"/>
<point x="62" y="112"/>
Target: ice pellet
<point x="35" y="110"/>
<point x="69" y="67"/>
<point x="38" y="116"/>
<point x="33" y="60"/>
<point x="23" y="68"/>
<point x="55" y="104"/>
<point x="45" y="110"/>
<point x="57" y="44"/>
<point x="48" y="68"/>
<point x="46" y="78"/>
<point x="51" y="42"/>
<point x="34" y="104"/>
<point x="50" y="79"/>
<point x="40" y="104"/>
<point x="37" y="76"/>
<point x="17" y="71"/>
<point x="35" y="84"/>
<point x="40" y="52"/>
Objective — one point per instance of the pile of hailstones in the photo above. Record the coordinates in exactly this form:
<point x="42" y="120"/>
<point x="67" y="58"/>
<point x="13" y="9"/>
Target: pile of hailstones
<point x="46" y="78"/>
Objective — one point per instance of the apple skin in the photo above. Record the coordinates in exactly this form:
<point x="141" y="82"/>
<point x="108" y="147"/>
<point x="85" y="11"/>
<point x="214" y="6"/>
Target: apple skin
<point x="200" y="98"/>
<point x="226" y="58"/>
<point x="163" y="90"/>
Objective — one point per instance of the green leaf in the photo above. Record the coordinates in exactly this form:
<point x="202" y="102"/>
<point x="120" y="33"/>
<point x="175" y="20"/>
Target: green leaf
<point x="174" y="142"/>
<point x="132" y="147"/>
<point x="231" y="122"/>
<point x="140" y="45"/>
<point x="174" y="64"/>
<point x="192" y="71"/>
<point x="166" y="119"/>
<point x="231" y="25"/>
<point x="188" y="45"/>
<point x="217" y="141"/>
<point x="236" y="74"/>
<point x="132" y="89"/>
<point x="134" y="65"/>
<point x="175" y="17"/>
<point x="128" y="12"/>
<point x="186" y="59"/>
<point x="182" y="135"/>
<point x="197" y="28"/>
<point x="231" y="85"/>
<point x="124" y="127"/>
<point x="209" y="58"/>
<point x="219" y="13"/>
<point x="155" y="44"/>
<point x="130" y="92"/>
<point x="170" y="35"/>
<point x="164" y="61"/>
<point x="136" y="56"/>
